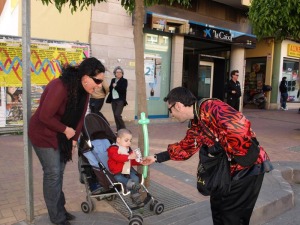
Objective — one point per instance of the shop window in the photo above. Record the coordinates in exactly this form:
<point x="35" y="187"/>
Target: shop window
<point x="157" y="61"/>
<point x="255" y="74"/>
<point x="290" y="70"/>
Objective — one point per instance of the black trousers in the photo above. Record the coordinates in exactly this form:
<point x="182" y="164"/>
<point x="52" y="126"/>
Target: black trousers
<point x="117" y="108"/>
<point x="237" y="207"/>
<point x="234" y="102"/>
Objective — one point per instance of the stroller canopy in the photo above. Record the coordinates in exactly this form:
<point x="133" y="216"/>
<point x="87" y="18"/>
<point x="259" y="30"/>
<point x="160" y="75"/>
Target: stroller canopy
<point x="95" y="127"/>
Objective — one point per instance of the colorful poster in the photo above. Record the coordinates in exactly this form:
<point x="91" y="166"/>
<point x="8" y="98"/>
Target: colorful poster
<point x="46" y="60"/>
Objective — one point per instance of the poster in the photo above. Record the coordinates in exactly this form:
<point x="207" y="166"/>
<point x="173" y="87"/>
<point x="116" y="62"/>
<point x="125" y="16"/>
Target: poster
<point x="46" y="60"/>
<point x="153" y="80"/>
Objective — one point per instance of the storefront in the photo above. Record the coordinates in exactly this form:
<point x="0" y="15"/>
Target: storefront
<point x="205" y="57"/>
<point x="290" y="70"/>
<point x="286" y="64"/>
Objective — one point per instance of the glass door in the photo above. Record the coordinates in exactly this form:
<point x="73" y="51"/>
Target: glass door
<point x="205" y="79"/>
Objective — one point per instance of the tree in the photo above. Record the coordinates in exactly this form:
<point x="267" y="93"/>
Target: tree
<point x="275" y="18"/>
<point x="137" y="7"/>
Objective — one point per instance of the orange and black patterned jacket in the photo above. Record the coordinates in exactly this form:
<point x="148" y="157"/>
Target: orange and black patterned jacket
<point x="231" y="127"/>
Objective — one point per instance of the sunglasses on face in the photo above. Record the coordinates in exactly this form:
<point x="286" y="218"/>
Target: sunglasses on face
<point x="97" y="81"/>
<point x="170" y="109"/>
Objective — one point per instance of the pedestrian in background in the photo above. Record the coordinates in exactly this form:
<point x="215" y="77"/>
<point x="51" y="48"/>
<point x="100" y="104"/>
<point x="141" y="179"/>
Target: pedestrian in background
<point x="98" y="97"/>
<point x="284" y="93"/>
<point x="235" y="135"/>
<point x="234" y="90"/>
<point x="117" y="96"/>
<point x="56" y="125"/>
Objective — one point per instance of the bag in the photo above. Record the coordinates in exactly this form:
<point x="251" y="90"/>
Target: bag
<point x="213" y="174"/>
<point x="251" y="156"/>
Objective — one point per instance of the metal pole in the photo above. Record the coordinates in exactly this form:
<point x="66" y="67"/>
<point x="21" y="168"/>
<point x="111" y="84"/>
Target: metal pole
<point x="26" y="76"/>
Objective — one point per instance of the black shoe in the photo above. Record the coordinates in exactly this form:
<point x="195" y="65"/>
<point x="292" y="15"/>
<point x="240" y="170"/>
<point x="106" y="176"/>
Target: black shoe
<point x="69" y="216"/>
<point x="66" y="222"/>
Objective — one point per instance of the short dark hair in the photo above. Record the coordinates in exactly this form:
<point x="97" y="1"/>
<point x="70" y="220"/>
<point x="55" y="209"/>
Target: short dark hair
<point x="182" y="95"/>
<point x="233" y="72"/>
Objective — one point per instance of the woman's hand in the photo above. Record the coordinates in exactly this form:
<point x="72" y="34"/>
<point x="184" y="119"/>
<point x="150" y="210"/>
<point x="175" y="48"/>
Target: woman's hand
<point x="69" y="132"/>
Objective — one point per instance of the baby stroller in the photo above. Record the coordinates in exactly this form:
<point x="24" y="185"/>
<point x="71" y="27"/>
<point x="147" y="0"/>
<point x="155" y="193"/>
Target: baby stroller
<point x="100" y="184"/>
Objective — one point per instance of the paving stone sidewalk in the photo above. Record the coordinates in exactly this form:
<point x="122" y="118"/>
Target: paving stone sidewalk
<point x="277" y="131"/>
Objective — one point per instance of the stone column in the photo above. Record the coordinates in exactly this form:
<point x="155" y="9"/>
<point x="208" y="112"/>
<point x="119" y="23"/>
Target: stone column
<point x="237" y="62"/>
<point x="177" y="61"/>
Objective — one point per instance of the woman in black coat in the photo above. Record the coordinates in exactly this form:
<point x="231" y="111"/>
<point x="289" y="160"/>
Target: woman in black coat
<point x="117" y="96"/>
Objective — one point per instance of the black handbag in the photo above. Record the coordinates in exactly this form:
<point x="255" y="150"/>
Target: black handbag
<point x="213" y="173"/>
<point x="251" y="156"/>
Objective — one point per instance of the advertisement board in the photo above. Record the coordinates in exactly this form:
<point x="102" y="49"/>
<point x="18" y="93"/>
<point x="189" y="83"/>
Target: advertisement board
<point x="46" y="60"/>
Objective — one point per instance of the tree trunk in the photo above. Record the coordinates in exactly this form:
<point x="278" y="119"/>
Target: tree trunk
<point x="139" y="14"/>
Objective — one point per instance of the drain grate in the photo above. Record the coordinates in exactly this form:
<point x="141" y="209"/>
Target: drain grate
<point x="169" y="198"/>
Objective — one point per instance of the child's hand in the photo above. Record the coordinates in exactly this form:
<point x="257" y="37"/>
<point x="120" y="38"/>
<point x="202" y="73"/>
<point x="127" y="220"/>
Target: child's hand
<point x="132" y="155"/>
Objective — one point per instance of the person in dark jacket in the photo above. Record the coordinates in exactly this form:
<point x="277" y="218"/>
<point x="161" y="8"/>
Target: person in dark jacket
<point x="117" y="96"/>
<point x="234" y="90"/>
<point x="235" y="135"/>
<point x="56" y="125"/>
<point x="284" y="93"/>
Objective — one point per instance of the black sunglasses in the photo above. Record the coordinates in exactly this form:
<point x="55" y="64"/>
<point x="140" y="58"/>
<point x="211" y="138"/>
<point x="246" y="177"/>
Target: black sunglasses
<point x="170" y="109"/>
<point x="97" y="81"/>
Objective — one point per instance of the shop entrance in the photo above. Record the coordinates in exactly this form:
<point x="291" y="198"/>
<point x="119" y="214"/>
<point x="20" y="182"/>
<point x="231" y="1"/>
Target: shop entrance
<point x="205" y="79"/>
<point x="205" y="68"/>
<point x="205" y="76"/>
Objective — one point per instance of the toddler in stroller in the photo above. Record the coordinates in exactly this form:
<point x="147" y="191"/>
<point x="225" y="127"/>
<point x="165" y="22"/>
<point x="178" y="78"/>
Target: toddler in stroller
<point x="121" y="158"/>
<point x="100" y="183"/>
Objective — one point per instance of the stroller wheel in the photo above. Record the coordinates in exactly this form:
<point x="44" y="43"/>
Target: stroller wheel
<point x="138" y="216"/>
<point x="135" y="221"/>
<point x="153" y="204"/>
<point x="158" y="208"/>
<point x="86" y="207"/>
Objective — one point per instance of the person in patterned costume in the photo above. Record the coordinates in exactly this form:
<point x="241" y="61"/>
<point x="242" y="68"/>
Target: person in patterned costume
<point x="235" y="135"/>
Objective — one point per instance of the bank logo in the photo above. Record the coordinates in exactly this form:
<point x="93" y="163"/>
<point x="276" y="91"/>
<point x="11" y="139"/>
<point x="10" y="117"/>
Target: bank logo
<point x="207" y="33"/>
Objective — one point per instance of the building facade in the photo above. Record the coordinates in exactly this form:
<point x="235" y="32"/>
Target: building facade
<point x="196" y="48"/>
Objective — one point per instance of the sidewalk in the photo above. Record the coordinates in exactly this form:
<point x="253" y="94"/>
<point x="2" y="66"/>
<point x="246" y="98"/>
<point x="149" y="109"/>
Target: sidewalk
<point x="173" y="183"/>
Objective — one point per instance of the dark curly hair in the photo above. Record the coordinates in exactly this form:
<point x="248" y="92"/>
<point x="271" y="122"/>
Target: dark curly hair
<point x="71" y="77"/>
